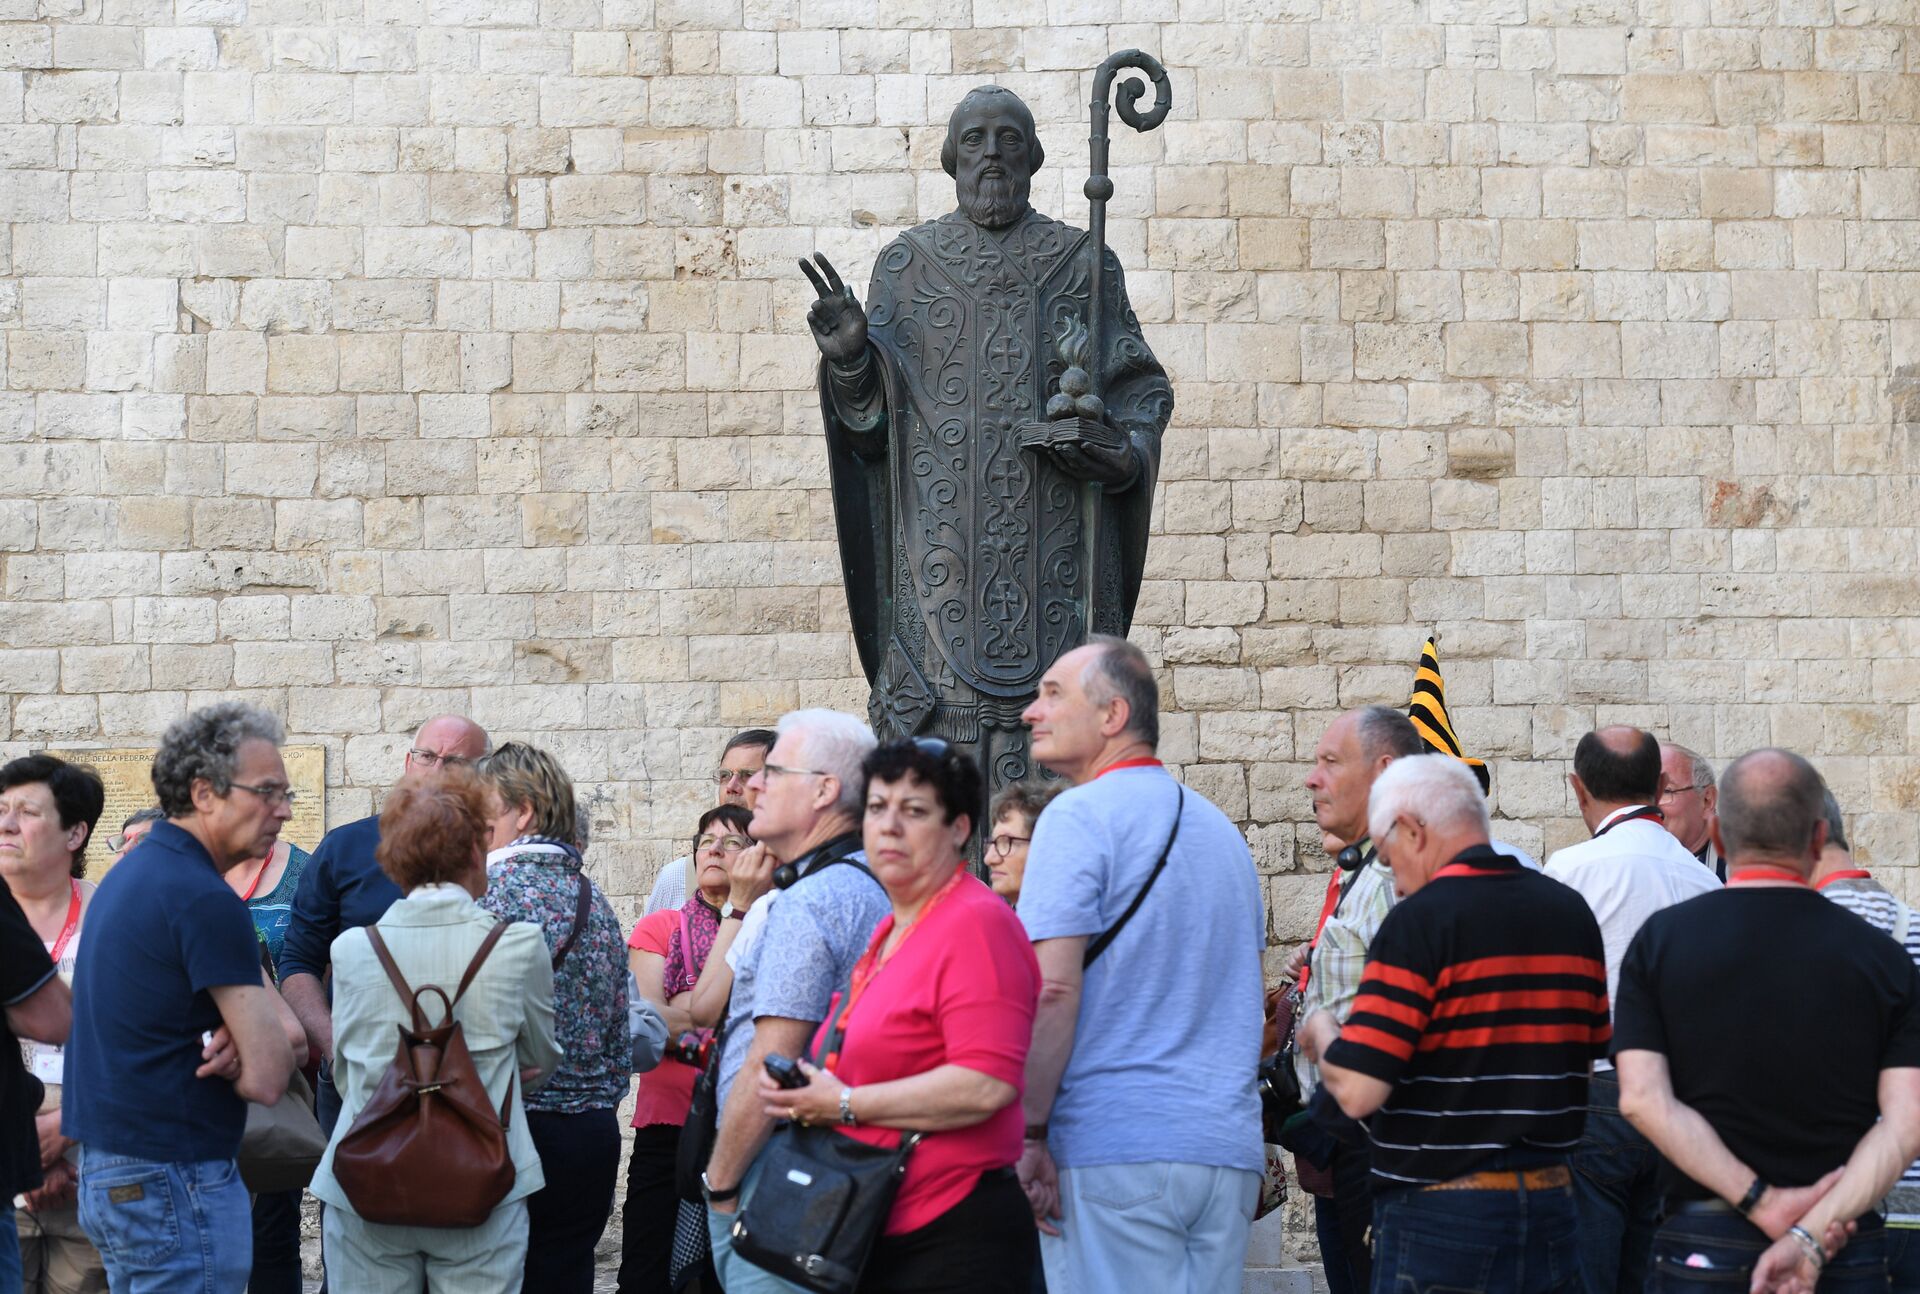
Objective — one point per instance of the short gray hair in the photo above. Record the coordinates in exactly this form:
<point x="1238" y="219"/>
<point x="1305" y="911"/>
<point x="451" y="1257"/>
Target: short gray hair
<point x="1770" y="805"/>
<point x="1700" y="772"/>
<point x="1385" y="732"/>
<point x="207" y="744"/>
<point x="1439" y="790"/>
<point x="1120" y="669"/>
<point x="835" y="743"/>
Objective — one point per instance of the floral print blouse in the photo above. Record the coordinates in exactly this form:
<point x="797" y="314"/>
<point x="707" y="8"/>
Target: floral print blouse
<point x="538" y="880"/>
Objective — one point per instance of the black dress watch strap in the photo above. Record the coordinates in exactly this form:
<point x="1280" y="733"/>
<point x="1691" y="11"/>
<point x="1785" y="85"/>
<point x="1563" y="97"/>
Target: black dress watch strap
<point x="1752" y="1197"/>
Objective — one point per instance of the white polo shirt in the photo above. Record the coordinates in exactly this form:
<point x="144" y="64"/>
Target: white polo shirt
<point x="1631" y="869"/>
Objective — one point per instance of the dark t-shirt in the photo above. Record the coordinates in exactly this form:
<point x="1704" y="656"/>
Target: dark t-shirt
<point x="163" y="930"/>
<point x="1484" y="1003"/>
<point x="24" y="967"/>
<point x="342" y="889"/>
<point x="1776" y="1011"/>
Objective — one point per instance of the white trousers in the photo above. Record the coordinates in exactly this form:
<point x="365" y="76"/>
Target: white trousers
<point x="371" y="1258"/>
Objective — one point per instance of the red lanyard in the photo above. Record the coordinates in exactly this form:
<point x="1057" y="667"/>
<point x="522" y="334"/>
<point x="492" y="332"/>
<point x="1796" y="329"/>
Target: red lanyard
<point x="1632" y="815"/>
<point x="1143" y="761"/>
<point x="1853" y="874"/>
<point x="265" y="863"/>
<point x="1763" y="874"/>
<point x="871" y="961"/>
<point x="70" y="929"/>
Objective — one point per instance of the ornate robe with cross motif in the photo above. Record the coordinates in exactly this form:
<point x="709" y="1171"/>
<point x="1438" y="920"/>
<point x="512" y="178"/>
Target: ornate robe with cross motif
<point x="972" y="564"/>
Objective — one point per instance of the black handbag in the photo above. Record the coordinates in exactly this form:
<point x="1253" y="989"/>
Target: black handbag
<point x="815" y="1203"/>
<point x="816" y="1200"/>
<point x="702" y="1127"/>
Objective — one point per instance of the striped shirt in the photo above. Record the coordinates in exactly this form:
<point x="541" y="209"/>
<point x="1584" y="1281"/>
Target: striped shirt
<point x="1484" y="1004"/>
<point x="1869" y="900"/>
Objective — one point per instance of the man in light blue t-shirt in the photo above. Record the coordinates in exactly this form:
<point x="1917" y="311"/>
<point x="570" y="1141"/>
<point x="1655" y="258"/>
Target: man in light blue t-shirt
<point x="1143" y="1153"/>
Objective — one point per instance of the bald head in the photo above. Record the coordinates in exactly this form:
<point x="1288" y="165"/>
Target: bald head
<point x="1619" y="765"/>
<point x="1772" y="810"/>
<point x="446" y="738"/>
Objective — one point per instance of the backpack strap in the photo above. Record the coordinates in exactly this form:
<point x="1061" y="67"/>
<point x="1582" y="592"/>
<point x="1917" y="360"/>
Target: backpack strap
<point x="582" y="910"/>
<point x="400" y="985"/>
<point x="1112" y="932"/>
<point x="479" y="957"/>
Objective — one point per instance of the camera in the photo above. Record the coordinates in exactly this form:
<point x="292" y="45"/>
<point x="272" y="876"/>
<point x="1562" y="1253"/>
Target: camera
<point x="785" y="1072"/>
<point x="692" y="1048"/>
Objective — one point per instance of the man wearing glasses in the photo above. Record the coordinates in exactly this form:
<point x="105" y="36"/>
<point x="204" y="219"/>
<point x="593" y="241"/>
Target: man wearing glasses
<point x="744" y="755"/>
<point x="795" y="947"/>
<point x="171" y="959"/>
<point x="343" y="888"/>
<point x="1689" y="798"/>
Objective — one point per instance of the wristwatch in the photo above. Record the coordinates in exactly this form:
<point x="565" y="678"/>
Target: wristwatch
<point x="716" y="1196"/>
<point x="846" y="1107"/>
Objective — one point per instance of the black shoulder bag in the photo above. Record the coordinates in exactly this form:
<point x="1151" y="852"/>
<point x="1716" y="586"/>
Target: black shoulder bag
<point x="1099" y="945"/>
<point x="702" y="1127"/>
<point x="816" y="1200"/>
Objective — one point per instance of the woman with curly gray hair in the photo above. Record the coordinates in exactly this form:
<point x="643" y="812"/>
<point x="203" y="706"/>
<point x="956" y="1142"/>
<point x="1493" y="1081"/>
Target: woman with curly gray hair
<point x="171" y="958"/>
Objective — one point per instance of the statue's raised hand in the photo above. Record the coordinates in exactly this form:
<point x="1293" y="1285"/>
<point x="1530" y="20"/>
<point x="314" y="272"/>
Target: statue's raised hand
<point x="839" y="324"/>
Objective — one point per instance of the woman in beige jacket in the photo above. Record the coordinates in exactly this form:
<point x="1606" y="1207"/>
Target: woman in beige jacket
<point x="433" y="835"/>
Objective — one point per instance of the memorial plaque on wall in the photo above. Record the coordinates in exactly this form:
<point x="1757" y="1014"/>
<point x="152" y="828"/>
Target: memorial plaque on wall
<point x="128" y="775"/>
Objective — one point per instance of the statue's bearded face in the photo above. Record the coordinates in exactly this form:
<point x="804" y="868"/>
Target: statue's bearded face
<point x="993" y="164"/>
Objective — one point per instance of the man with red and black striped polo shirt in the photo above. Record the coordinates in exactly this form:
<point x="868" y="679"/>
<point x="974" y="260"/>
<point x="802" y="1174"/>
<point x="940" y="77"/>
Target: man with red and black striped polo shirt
<point x="1481" y="1011"/>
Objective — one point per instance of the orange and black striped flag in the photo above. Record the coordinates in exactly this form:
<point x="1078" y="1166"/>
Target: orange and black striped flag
<point x="1428" y="710"/>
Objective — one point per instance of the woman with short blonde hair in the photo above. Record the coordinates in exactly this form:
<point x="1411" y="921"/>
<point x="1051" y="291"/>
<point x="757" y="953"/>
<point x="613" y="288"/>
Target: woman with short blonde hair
<point x="535" y="874"/>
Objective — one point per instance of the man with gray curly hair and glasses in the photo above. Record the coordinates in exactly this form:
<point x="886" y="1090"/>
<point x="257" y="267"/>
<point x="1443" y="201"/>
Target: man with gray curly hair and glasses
<point x="175" y="1028"/>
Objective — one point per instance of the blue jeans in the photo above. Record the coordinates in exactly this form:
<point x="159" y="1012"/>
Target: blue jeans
<point x="1333" y="1254"/>
<point x="1496" y="1242"/>
<point x="1616" y="1193"/>
<point x="1716" y="1252"/>
<point x="1903" y="1259"/>
<point x="167" y="1228"/>
<point x="12" y="1279"/>
<point x="737" y="1275"/>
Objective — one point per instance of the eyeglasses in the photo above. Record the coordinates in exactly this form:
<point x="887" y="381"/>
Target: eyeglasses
<point x="770" y="768"/>
<point x="121" y="843"/>
<point x="725" y="844"/>
<point x="429" y="758"/>
<point x="1003" y="845"/>
<point x="722" y="776"/>
<point x="270" y="793"/>
<point x="935" y="747"/>
<point x="1668" y="792"/>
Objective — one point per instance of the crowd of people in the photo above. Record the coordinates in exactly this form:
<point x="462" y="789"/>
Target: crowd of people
<point x="1684" y="1054"/>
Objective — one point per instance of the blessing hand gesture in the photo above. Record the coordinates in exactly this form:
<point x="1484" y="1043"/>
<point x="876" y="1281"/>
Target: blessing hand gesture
<point x="838" y="322"/>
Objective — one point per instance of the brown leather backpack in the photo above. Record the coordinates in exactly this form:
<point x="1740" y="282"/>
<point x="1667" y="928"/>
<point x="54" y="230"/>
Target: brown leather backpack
<point x="428" y="1149"/>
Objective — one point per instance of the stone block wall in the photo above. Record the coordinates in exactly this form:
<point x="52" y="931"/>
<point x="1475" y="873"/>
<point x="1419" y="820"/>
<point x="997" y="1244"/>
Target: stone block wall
<point x="371" y="358"/>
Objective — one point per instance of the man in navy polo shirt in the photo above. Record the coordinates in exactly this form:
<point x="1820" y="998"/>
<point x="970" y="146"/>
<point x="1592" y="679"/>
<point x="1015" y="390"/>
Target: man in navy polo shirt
<point x="343" y="889"/>
<point x="155" y="1096"/>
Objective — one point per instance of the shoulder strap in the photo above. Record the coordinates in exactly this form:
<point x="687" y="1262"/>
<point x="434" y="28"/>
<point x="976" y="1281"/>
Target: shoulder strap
<point x="480" y="955"/>
<point x="1902" y="924"/>
<point x="400" y="985"/>
<point x="582" y="909"/>
<point x="1099" y="945"/>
